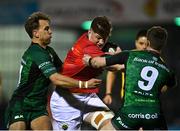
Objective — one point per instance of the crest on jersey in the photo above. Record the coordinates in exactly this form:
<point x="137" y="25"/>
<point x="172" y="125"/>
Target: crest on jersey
<point x="64" y="126"/>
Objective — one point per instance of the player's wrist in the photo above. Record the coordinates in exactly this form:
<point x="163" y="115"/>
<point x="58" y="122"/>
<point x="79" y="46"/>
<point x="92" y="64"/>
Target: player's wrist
<point x="80" y="84"/>
<point x="83" y="84"/>
<point x="86" y="84"/>
<point x="110" y="94"/>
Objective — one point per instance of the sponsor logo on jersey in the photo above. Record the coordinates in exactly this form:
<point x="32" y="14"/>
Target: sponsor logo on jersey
<point x="64" y="126"/>
<point x="143" y="93"/>
<point x="154" y="61"/>
<point x="121" y="123"/>
<point x="44" y="64"/>
<point x="18" y="116"/>
<point x="143" y="116"/>
<point x="154" y="58"/>
<point x="49" y="70"/>
<point x="162" y="66"/>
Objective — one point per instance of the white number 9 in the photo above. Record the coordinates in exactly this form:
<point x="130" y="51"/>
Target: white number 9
<point x="149" y="74"/>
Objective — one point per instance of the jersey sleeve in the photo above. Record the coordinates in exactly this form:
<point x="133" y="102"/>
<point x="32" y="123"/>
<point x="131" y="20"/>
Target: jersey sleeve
<point x="120" y="58"/>
<point x="172" y="80"/>
<point x="57" y="61"/>
<point x="44" y="63"/>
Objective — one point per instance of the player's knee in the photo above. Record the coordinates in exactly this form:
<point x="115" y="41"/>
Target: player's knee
<point x="99" y="117"/>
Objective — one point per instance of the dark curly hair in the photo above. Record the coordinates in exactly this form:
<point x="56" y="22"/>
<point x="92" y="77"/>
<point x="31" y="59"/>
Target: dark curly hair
<point x="102" y="26"/>
<point x="33" y="22"/>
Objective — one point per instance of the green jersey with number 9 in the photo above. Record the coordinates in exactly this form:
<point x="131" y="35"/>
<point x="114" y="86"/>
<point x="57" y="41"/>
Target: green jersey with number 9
<point x="145" y="75"/>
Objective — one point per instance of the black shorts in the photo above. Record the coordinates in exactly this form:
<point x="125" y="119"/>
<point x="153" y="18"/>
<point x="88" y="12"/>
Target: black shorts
<point x="15" y="113"/>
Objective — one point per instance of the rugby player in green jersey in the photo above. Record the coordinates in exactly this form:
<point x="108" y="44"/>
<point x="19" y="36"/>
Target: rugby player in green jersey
<point x="140" y="44"/>
<point x="145" y="74"/>
<point x="39" y="67"/>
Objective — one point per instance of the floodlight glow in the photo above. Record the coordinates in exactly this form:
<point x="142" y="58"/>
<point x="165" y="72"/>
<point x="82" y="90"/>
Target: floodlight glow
<point x="177" y="21"/>
<point x="86" y="25"/>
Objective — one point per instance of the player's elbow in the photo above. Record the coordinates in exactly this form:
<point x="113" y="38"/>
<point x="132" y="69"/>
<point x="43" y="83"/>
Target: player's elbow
<point x="55" y="79"/>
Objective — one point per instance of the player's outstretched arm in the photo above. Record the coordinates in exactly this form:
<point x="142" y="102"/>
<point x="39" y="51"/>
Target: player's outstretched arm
<point x="67" y="82"/>
<point x="95" y="62"/>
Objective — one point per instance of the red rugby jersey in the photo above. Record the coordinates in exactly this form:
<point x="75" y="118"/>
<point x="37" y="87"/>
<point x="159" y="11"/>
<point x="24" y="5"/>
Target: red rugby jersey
<point x="74" y="67"/>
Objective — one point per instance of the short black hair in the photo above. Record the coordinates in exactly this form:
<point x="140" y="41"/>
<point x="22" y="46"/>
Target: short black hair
<point x="33" y="22"/>
<point x="102" y="26"/>
<point x="141" y="33"/>
<point x="157" y="36"/>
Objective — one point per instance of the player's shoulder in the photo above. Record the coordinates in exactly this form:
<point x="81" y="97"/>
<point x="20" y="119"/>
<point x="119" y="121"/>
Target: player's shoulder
<point x="34" y="48"/>
<point x="36" y="51"/>
<point x="49" y="48"/>
<point x="138" y="51"/>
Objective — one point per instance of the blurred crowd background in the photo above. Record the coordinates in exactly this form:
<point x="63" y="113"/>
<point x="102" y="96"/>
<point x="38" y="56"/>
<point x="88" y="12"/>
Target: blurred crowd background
<point x="70" y="18"/>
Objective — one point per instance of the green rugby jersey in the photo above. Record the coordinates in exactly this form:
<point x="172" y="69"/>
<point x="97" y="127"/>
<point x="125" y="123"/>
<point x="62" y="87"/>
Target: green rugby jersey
<point x="37" y="64"/>
<point x="145" y="75"/>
